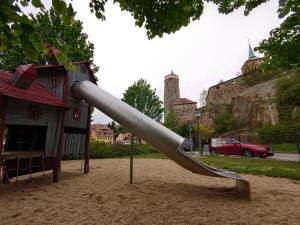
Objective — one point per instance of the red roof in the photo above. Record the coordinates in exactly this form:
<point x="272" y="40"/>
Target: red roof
<point x="182" y="101"/>
<point x="27" y="70"/>
<point x="35" y="93"/>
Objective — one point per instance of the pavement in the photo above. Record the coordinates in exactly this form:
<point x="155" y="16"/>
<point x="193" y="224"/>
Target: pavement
<point x="292" y="157"/>
<point x="286" y="157"/>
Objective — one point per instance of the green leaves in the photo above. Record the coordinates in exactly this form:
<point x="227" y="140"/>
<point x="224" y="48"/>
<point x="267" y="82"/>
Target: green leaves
<point x="158" y="17"/>
<point x="143" y="98"/>
<point x="288" y="97"/>
<point x="37" y="3"/>
<point x="281" y="50"/>
<point x="47" y="27"/>
<point x="225" y="121"/>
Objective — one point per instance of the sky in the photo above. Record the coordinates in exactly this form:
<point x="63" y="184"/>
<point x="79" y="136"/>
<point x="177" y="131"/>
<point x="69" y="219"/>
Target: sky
<point x="208" y="50"/>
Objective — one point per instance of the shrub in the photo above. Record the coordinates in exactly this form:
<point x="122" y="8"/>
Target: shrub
<point x="279" y="133"/>
<point x="103" y="150"/>
<point x="225" y="121"/>
<point x="288" y="96"/>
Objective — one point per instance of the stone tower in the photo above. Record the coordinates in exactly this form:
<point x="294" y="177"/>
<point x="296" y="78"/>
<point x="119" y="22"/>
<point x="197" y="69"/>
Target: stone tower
<point x="171" y="92"/>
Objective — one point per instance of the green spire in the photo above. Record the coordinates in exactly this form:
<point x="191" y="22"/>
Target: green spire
<point x="251" y="52"/>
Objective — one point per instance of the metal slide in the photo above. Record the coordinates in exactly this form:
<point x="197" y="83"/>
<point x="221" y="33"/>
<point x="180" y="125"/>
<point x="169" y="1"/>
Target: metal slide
<point x="151" y="131"/>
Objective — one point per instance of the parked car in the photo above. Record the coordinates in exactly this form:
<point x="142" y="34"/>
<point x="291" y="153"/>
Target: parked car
<point x="227" y="146"/>
<point x="187" y="145"/>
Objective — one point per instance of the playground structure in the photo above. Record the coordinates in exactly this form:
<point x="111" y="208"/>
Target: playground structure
<point x="40" y="122"/>
<point x="50" y="116"/>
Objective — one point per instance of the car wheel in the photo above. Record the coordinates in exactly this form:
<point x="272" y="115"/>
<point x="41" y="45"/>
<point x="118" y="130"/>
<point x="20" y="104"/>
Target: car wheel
<point x="247" y="153"/>
<point x="213" y="151"/>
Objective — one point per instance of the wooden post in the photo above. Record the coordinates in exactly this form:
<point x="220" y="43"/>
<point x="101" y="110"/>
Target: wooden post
<point x="57" y="160"/>
<point x="131" y="160"/>
<point x="2" y="109"/>
<point x="87" y="142"/>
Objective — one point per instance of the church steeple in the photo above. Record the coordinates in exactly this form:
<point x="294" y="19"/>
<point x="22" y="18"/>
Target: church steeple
<point x="252" y="62"/>
<point x="251" y="52"/>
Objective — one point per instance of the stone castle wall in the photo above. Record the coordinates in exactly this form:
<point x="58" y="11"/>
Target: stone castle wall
<point x="186" y="112"/>
<point x="253" y="105"/>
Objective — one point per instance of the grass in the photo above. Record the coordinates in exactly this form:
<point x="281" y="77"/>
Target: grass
<point x="272" y="168"/>
<point x="284" y="148"/>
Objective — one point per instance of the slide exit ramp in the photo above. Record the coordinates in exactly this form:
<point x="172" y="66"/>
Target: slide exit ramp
<point x="167" y="141"/>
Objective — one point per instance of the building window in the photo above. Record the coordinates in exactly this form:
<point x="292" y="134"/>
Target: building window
<point x="54" y="82"/>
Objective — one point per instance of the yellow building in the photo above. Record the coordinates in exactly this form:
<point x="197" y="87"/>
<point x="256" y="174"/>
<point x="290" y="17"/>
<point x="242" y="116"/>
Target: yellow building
<point x="102" y="133"/>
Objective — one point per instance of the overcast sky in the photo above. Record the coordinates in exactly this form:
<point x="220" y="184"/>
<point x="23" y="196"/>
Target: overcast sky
<point x="208" y="50"/>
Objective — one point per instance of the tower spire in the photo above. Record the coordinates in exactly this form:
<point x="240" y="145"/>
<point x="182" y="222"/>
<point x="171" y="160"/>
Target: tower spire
<point x="251" y="52"/>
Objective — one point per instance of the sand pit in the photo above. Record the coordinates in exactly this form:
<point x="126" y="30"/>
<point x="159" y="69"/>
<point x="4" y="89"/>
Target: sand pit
<point x="162" y="193"/>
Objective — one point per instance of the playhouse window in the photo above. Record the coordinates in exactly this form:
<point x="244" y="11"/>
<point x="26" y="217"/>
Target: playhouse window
<point x="35" y="112"/>
<point x="76" y="114"/>
<point x="54" y="82"/>
<point x="83" y="69"/>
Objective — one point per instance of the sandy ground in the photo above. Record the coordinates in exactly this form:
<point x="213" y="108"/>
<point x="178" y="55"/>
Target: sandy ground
<point x="162" y="193"/>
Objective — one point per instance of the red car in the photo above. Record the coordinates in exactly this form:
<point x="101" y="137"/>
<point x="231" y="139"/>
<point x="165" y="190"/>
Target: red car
<point x="227" y="146"/>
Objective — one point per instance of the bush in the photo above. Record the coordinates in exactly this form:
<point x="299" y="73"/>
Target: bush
<point x="225" y="121"/>
<point x="279" y="133"/>
<point x="103" y="150"/>
<point x="260" y="77"/>
<point x="288" y="97"/>
<point x="284" y="148"/>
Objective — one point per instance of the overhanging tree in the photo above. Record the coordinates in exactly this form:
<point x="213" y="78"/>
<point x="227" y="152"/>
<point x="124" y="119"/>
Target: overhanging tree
<point x="143" y="98"/>
<point x="158" y="17"/>
<point x="51" y="25"/>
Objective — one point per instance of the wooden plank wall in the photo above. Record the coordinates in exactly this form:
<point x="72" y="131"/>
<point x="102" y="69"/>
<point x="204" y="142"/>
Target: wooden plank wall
<point x="82" y="121"/>
<point x="17" y="113"/>
<point x="44" y="79"/>
<point x="74" y="144"/>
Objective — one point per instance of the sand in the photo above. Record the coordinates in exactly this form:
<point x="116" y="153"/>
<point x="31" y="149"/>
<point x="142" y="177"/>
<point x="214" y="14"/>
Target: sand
<point x="162" y="193"/>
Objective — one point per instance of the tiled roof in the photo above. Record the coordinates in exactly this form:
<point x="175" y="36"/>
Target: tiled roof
<point x="101" y="130"/>
<point x="35" y="93"/>
<point x="183" y="101"/>
<point x="124" y="136"/>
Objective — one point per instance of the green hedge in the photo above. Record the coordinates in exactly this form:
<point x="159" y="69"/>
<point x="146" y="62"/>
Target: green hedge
<point x="284" y="148"/>
<point x="279" y="133"/>
<point x="102" y="150"/>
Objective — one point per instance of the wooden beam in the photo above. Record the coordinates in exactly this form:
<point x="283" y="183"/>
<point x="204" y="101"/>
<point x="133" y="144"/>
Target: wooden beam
<point x="131" y="161"/>
<point x="57" y="160"/>
<point x="2" y="118"/>
<point x="87" y="142"/>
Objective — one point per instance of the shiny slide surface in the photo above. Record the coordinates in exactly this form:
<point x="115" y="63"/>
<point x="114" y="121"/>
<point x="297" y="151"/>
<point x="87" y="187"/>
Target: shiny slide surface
<point x="152" y="132"/>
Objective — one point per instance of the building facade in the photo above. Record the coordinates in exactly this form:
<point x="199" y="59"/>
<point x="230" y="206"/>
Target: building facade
<point x="102" y="133"/>
<point x="253" y="105"/>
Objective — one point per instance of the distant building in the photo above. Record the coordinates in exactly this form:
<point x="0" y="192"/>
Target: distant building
<point x="253" y="62"/>
<point x="183" y="107"/>
<point x="125" y="139"/>
<point x="102" y="133"/>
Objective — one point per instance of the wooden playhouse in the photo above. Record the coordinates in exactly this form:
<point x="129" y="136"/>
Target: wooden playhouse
<point x="40" y="120"/>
